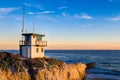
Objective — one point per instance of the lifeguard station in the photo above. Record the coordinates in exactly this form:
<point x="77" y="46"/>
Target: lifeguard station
<point x="32" y="46"/>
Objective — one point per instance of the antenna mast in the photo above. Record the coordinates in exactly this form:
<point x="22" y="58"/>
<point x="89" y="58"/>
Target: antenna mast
<point x="33" y="26"/>
<point x="23" y="21"/>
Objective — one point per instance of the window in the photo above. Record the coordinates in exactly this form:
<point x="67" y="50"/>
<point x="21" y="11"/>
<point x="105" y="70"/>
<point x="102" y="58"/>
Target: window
<point x="41" y="49"/>
<point x="27" y="38"/>
<point x="37" y="50"/>
<point x="33" y="36"/>
<point x="39" y="37"/>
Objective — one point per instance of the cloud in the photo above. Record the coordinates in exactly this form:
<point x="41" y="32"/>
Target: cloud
<point x="76" y="16"/>
<point x="44" y="12"/>
<point x="82" y="16"/>
<point x="26" y="4"/>
<point x="85" y="16"/>
<point x="7" y="10"/>
<point x="62" y="7"/>
<point x="65" y="14"/>
<point x="44" y="15"/>
<point x="31" y="13"/>
<point x="32" y="5"/>
<point x="14" y="17"/>
<point x="114" y="18"/>
<point x="47" y="12"/>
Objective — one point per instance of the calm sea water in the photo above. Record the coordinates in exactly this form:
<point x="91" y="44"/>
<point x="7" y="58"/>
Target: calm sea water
<point x="107" y="62"/>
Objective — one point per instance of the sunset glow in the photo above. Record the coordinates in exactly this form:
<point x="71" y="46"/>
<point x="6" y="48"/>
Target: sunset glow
<point x="75" y="24"/>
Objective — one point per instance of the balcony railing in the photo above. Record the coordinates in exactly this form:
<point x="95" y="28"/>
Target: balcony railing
<point x="21" y="42"/>
<point x="41" y="43"/>
<point x="37" y="43"/>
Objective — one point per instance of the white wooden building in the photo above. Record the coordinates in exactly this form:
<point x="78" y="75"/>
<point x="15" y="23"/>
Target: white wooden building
<point x="32" y="46"/>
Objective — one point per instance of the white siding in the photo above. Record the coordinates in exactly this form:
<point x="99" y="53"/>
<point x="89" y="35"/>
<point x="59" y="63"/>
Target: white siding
<point x="36" y="54"/>
<point x="33" y="40"/>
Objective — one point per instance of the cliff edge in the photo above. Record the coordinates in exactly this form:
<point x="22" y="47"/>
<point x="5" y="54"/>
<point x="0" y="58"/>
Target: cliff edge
<point x="13" y="67"/>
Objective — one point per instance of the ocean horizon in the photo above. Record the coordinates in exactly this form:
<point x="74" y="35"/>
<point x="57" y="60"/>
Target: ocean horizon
<point x="107" y="62"/>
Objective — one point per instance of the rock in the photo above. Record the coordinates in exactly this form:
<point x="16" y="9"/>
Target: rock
<point x="13" y="67"/>
<point x="90" y="65"/>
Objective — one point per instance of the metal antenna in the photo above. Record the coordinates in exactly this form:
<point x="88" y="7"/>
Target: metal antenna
<point x="23" y="24"/>
<point x="33" y="26"/>
<point x="23" y="21"/>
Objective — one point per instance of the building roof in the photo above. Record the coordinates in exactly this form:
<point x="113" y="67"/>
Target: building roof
<point x="24" y="34"/>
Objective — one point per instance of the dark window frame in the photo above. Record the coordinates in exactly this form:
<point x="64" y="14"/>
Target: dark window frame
<point x="42" y="50"/>
<point x="33" y="36"/>
<point x="37" y="50"/>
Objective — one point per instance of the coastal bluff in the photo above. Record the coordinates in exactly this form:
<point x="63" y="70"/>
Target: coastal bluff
<point x="14" y="67"/>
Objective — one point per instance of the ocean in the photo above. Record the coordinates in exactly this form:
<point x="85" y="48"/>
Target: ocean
<point x="107" y="62"/>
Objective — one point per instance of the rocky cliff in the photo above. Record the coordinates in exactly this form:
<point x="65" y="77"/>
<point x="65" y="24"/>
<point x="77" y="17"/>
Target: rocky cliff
<point x="13" y="67"/>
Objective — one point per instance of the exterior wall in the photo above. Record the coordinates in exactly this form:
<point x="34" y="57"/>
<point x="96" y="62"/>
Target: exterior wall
<point x="33" y="40"/>
<point x="36" y="54"/>
<point x="29" y="49"/>
<point x="25" y="51"/>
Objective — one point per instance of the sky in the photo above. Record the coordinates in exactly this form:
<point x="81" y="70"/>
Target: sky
<point x="67" y="24"/>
